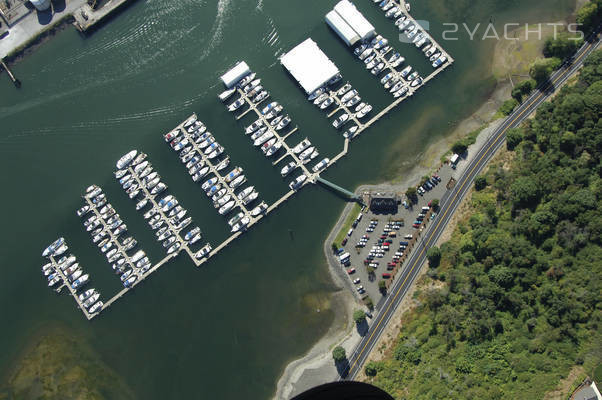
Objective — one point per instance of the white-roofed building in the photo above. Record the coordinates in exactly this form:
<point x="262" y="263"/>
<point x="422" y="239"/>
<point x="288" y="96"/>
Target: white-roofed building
<point x="342" y="28"/>
<point x="309" y="65"/>
<point x="355" y="19"/>
<point x="239" y="71"/>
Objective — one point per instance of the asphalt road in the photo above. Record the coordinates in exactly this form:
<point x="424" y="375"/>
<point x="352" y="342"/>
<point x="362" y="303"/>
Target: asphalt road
<point x="450" y="202"/>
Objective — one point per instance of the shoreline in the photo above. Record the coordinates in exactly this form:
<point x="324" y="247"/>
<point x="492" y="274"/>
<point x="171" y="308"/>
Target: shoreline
<point x="299" y="371"/>
<point x="318" y="359"/>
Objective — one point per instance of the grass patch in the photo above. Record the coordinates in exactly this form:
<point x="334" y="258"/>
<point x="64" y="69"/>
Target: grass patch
<point x="347" y="224"/>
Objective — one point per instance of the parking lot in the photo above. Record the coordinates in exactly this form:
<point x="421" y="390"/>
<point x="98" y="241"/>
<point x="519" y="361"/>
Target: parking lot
<point x="376" y="242"/>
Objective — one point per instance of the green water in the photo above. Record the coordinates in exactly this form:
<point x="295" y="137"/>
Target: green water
<point x="227" y="330"/>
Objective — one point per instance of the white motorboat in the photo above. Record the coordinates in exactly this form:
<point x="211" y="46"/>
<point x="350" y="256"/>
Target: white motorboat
<point x="225" y="95"/>
<point x="304" y="144"/>
<point x="242" y="224"/>
<point x="259" y="209"/>
<point x="316" y="93"/>
<point x="364" y="111"/>
<point x="238" y="181"/>
<point x="126" y="159"/>
<point x="288" y="168"/>
<point x="223" y="164"/>
<point x="350" y="133"/>
<point x="439" y="61"/>
<point x="204" y="252"/>
<point x="254" y="126"/>
<point x="406" y="71"/>
<point x="226" y="208"/>
<point x="236" y="105"/>
<point x="340" y="121"/>
<point x="96" y="307"/>
<point x="321" y="165"/>
<point x="326" y="103"/>
<point x="349" y="95"/>
<point x="298" y="182"/>
<point x="250" y="198"/>
<point x="344" y="89"/>
<point x="306" y="153"/>
<point x="232" y="221"/>
<point x="263" y="138"/>
<point x="400" y="92"/>
<point x="273" y="149"/>
<point x="221" y="201"/>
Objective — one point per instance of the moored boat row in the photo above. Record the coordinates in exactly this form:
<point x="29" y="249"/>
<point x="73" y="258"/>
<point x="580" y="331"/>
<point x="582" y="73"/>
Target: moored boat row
<point x="106" y="228"/>
<point x="222" y="184"/>
<point x="64" y="270"/>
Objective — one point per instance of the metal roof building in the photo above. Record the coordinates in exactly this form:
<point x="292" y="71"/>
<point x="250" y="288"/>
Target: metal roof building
<point x="239" y="71"/>
<point x="309" y="65"/>
<point x="355" y="19"/>
<point x="342" y="28"/>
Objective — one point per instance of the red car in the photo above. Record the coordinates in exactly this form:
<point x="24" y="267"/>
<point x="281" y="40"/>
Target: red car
<point x="344" y="242"/>
<point x="351" y="271"/>
<point x="386" y="275"/>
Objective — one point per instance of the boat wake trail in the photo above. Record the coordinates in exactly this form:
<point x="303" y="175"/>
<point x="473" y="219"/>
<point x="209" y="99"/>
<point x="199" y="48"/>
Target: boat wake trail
<point x="223" y="6"/>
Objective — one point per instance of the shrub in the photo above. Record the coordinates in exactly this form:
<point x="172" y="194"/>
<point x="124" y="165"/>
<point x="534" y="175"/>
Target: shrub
<point x="480" y="182"/>
<point x="508" y="106"/>
<point x="459" y="147"/>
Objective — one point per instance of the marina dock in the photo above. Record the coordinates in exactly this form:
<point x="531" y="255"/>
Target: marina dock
<point x="168" y="219"/>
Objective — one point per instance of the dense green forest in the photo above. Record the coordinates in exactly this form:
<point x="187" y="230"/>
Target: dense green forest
<point x="518" y="291"/>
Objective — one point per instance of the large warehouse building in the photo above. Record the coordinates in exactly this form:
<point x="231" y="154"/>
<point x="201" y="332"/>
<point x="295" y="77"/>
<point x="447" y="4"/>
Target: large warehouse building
<point x="349" y="23"/>
<point x="309" y="65"/>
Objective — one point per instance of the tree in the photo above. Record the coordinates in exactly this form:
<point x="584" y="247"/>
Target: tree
<point x="480" y="182"/>
<point x="434" y="256"/>
<point x="338" y="354"/>
<point x="435" y="204"/>
<point x="523" y="89"/>
<point x="459" y="147"/>
<point x="334" y="247"/>
<point x="411" y="193"/>
<point x="588" y="15"/>
<point x="382" y="286"/>
<point x="562" y="46"/>
<point x="525" y="191"/>
<point x="513" y="138"/>
<point x="542" y="69"/>
<point x="371" y="368"/>
<point x="359" y="316"/>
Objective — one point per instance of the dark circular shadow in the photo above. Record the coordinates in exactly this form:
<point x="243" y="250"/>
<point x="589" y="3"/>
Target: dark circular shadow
<point x="344" y="390"/>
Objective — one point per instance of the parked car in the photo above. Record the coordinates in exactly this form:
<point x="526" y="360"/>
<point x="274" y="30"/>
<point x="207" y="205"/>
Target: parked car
<point x="351" y="271"/>
<point x="386" y="275"/>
